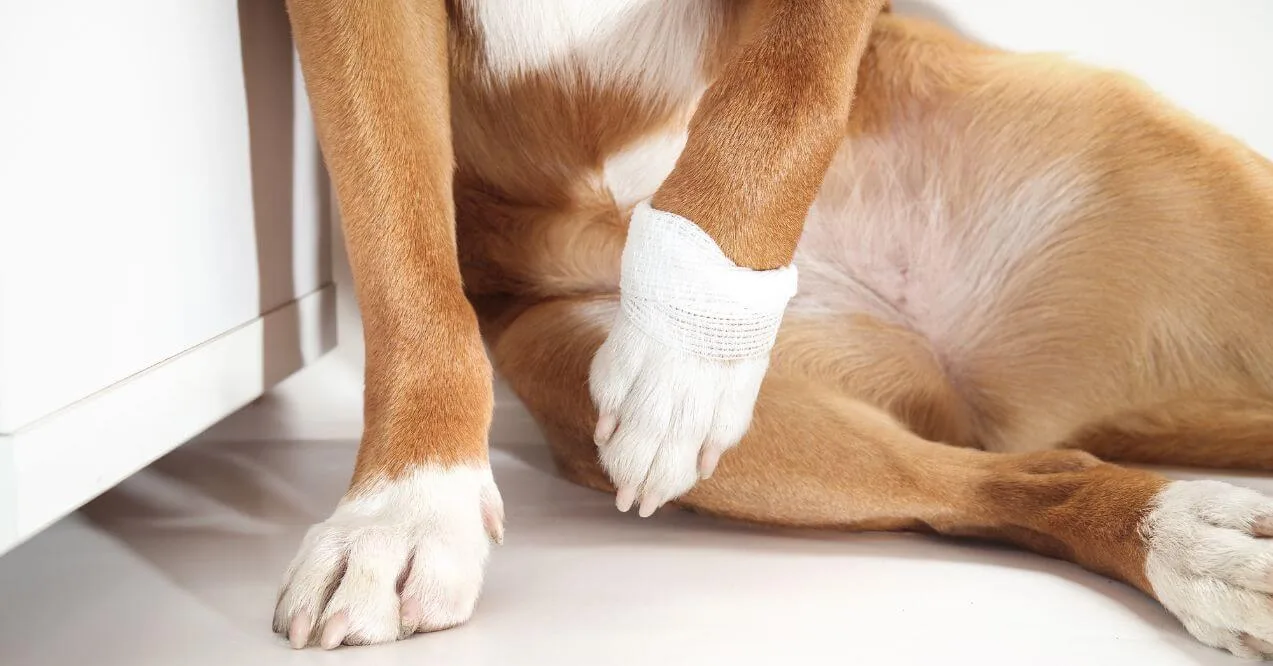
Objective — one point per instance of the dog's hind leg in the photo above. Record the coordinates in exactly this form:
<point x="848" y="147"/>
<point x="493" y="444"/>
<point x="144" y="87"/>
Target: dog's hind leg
<point x="817" y="456"/>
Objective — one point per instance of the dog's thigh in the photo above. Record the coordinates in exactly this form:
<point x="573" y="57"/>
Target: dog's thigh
<point x="819" y="456"/>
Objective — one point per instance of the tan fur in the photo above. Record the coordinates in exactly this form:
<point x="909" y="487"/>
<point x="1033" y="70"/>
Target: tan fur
<point x="817" y="456"/>
<point x="1153" y="291"/>
<point x="779" y="105"/>
<point x="385" y="136"/>
<point x="1159" y="289"/>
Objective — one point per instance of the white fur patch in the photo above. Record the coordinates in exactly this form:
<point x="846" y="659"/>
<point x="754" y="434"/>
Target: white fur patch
<point x="436" y="521"/>
<point x="637" y="171"/>
<point x="666" y="415"/>
<point x="1210" y="563"/>
<point x="651" y="43"/>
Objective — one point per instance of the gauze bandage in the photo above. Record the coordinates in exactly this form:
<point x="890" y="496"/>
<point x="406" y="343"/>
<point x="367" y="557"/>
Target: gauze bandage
<point x="679" y="288"/>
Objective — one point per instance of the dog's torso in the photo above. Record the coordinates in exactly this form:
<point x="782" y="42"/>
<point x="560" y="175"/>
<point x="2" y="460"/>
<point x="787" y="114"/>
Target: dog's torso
<point x="1032" y="240"/>
<point x="998" y="251"/>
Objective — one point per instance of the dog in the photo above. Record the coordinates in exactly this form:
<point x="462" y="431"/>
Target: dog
<point x="1012" y="269"/>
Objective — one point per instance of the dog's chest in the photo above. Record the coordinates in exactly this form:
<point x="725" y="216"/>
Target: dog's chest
<point x="629" y="72"/>
<point x="650" y="43"/>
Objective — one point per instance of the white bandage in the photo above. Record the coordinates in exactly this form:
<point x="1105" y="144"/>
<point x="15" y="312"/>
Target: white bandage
<point x="679" y="288"/>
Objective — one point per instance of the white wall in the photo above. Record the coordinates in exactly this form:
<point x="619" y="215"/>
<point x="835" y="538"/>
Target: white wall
<point x="1213" y="57"/>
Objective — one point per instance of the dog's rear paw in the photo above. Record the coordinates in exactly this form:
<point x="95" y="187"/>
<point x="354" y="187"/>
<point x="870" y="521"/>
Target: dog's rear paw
<point x="666" y="416"/>
<point x="1210" y="562"/>
<point x="402" y="556"/>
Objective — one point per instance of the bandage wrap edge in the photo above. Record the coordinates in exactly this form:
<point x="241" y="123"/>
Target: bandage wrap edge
<point x="678" y="286"/>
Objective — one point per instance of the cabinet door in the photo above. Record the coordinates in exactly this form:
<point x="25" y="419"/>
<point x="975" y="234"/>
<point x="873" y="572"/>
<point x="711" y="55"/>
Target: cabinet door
<point x="160" y="186"/>
<point x="164" y="235"/>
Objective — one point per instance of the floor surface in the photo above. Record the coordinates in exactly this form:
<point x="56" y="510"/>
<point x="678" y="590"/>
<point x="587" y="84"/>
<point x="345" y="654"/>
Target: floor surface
<point x="179" y="565"/>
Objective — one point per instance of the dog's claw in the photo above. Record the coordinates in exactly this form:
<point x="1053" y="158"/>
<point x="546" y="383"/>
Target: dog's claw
<point x="410" y="616"/>
<point x="606" y="424"/>
<point x="649" y="504"/>
<point x="298" y="632"/>
<point x="624" y="499"/>
<point x="335" y="630"/>
<point x="708" y="459"/>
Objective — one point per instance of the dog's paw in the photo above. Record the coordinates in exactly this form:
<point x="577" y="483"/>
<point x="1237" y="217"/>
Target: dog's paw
<point x="666" y="416"/>
<point x="399" y="557"/>
<point x="1210" y="562"/>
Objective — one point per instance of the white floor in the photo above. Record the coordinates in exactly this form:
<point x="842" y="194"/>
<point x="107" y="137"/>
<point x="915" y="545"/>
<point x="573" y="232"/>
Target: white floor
<point x="179" y="565"/>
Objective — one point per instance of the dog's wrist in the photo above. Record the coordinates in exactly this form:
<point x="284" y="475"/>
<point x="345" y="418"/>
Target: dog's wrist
<point x="680" y="288"/>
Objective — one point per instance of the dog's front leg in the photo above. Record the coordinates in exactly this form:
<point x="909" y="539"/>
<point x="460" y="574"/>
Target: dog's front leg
<point x="406" y="548"/>
<point x="706" y="268"/>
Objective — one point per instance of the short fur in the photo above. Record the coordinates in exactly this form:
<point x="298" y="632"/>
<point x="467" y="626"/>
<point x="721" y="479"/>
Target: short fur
<point x="1004" y="258"/>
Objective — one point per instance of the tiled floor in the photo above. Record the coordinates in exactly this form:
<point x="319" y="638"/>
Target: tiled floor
<point x="178" y="566"/>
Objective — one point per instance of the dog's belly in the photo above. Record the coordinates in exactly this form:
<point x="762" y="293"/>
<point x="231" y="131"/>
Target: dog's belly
<point x="643" y="43"/>
<point x="928" y="225"/>
<point x="922" y="226"/>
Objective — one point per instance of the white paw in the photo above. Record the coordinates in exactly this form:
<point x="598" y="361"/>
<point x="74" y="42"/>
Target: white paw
<point x="666" y="416"/>
<point x="402" y="556"/>
<point x="1211" y="565"/>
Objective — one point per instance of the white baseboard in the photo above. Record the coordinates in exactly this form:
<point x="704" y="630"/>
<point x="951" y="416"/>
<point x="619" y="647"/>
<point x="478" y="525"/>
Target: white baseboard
<point x="56" y="464"/>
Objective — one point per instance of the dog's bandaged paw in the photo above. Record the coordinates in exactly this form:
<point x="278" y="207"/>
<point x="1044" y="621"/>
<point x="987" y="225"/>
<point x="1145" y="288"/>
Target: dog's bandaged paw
<point x="401" y="556"/>
<point x="1210" y="562"/>
<point x="677" y="379"/>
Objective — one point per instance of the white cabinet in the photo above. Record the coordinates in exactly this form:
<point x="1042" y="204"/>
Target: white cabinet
<point x="164" y="245"/>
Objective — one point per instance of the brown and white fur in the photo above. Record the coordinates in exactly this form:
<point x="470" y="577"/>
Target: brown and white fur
<point x="1008" y="263"/>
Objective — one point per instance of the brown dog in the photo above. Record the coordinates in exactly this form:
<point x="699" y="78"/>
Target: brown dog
<point x="1007" y="262"/>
